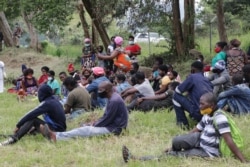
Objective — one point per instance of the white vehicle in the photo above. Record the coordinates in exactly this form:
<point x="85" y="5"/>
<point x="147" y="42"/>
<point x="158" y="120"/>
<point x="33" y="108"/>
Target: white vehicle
<point x="153" y="37"/>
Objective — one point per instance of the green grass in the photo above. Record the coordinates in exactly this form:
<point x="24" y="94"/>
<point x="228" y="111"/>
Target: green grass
<point x="147" y="134"/>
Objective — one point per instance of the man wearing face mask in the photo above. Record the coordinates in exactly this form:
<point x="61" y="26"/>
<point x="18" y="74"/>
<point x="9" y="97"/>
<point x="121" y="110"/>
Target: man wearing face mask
<point x="88" y="57"/>
<point x="99" y="75"/>
<point x="203" y="140"/>
<point x="133" y="49"/>
<point x="114" y="119"/>
<point x="188" y="93"/>
<point x="54" y="84"/>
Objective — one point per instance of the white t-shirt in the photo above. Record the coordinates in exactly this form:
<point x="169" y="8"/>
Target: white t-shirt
<point x="145" y="89"/>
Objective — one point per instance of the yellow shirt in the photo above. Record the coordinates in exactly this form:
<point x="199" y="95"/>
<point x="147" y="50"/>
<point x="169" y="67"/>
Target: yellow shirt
<point x="164" y="81"/>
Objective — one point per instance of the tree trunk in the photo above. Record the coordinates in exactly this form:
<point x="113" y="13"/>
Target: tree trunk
<point x="177" y="28"/>
<point x="34" y="42"/>
<point x="5" y="29"/>
<point x="84" y="22"/>
<point x="97" y="22"/>
<point x="188" y="26"/>
<point x="95" y="35"/>
<point x="221" y="21"/>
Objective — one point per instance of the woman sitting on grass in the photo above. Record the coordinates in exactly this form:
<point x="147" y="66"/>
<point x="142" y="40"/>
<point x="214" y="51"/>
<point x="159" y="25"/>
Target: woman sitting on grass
<point x="29" y="83"/>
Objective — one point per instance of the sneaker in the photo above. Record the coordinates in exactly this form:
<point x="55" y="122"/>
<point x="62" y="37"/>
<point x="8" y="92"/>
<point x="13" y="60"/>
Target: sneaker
<point x="126" y="154"/>
<point x="7" y="142"/>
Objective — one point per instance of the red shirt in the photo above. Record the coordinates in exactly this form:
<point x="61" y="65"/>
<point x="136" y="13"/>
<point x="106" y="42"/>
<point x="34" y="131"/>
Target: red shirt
<point x="42" y="79"/>
<point x="133" y="48"/>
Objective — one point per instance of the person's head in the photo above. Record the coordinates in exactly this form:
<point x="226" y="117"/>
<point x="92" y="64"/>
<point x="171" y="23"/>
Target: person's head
<point x="158" y="61"/>
<point x="173" y="85"/>
<point x="139" y="77"/>
<point x="237" y="79"/>
<point x="44" y="92"/>
<point x="87" y="42"/>
<point x="100" y="48"/>
<point x="62" y="75"/>
<point x="131" y="40"/>
<point x="105" y="89"/>
<point x="163" y="70"/>
<point x="170" y="67"/>
<point x="71" y="69"/>
<point x="219" y="66"/>
<point x="28" y="73"/>
<point x="51" y="75"/>
<point x="200" y="58"/>
<point x="208" y="103"/>
<point x="45" y="70"/>
<point x="234" y="43"/>
<point x="172" y="75"/>
<point x="118" y="41"/>
<point x="220" y="46"/>
<point x="246" y="72"/>
<point x="132" y="80"/>
<point x="70" y="83"/>
<point x="86" y="73"/>
<point x="98" y="72"/>
<point x="196" y="67"/>
<point x="120" y="78"/>
<point x="112" y="39"/>
<point x="134" y="68"/>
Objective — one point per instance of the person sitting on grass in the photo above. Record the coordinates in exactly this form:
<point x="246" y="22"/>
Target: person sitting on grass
<point x="78" y="100"/>
<point x="29" y="83"/>
<point x="203" y="140"/>
<point x="122" y="84"/>
<point x="188" y="93"/>
<point x="163" y="100"/>
<point x="53" y="116"/>
<point x="44" y="77"/>
<point x="54" y="84"/>
<point x="165" y="80"/>
<point x="114" y="119"/>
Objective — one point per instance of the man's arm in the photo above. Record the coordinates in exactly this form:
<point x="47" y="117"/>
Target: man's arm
<point x="220" y="80"/>
<point x="228" y="139"/>
<point x="230" y="92"/>
<point x="67" y="108"/>
<point x="129" y="91"/>
<point x="162" y="89"/>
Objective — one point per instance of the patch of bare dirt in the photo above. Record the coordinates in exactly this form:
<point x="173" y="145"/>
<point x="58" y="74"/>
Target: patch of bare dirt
<point x="14" y="58"/>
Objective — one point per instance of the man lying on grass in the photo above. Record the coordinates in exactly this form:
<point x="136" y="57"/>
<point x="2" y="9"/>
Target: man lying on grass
<point x="52" y="112"/>
<point x="203" y="140"/>
<point x="115" y="118"/>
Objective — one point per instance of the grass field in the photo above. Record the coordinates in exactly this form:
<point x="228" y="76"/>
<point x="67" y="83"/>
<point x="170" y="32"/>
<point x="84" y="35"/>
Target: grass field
<point x="147" y="134"/>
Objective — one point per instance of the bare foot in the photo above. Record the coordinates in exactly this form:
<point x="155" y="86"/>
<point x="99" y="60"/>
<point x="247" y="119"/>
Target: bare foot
<point x="50" y="135"/>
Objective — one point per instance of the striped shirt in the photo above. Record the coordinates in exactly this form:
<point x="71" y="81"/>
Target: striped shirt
<point x="209" y="139"/>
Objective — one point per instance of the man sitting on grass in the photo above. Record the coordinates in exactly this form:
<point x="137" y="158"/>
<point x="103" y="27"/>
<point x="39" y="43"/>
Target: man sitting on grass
<point x="115" y="118"/>
<point x="203" y="140"/>
<point x="50" y="108"/>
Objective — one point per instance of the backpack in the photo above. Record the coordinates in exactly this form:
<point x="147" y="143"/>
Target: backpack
<point x="235" y="133"/>
<point x="235" y="63"/>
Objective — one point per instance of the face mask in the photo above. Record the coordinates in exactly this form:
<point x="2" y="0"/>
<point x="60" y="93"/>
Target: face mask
<point x="86" y="76"/>
<point x="206" y="111"/>
<point x="87" y="44"/>
<point x="50" y="78"/>
<point x="217" y="49"/>
<point x="131" y="42"/>
<point x="132" y="72"/>
<point x="102" y="94"/>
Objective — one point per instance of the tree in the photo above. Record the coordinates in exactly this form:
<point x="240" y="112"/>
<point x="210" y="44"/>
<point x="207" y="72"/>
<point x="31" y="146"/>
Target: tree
<point x="221" y="21"/>
<point x="5" y="29"/>
<point x="84" y="22"/>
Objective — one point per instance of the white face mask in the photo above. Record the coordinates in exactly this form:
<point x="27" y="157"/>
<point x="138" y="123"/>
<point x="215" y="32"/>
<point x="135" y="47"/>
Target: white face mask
<point x="49" y="78"/>
<point x="87" y="44"/>
<point x="131" y="42"/>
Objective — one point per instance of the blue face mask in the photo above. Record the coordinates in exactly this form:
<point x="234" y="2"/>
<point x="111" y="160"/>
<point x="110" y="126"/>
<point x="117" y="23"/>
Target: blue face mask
<point x="87" y="44"/>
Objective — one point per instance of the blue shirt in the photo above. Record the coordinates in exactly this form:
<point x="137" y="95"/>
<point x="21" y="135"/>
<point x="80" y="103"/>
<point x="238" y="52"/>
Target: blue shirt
<point x="54" y="84"/>
<point x="195" y="85"/>
<point x="115" y="117"/>
<point x="123" y="86"/>
<point x="93" y="87"/>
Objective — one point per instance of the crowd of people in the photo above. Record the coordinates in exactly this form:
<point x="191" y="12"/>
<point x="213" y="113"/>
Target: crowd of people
<point x="114" y="82"/>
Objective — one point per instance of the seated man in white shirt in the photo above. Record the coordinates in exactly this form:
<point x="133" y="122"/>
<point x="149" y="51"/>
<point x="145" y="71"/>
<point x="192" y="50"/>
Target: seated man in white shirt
<point x="141" y="89"/>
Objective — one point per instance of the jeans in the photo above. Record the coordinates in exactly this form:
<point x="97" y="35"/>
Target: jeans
<point x="182" y="103"/>
<point x="26" y="127"/>
<point x="85" y="131"/>
<point x="75" y="113"/>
